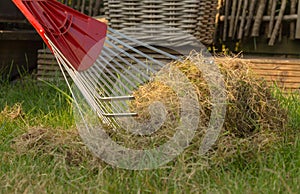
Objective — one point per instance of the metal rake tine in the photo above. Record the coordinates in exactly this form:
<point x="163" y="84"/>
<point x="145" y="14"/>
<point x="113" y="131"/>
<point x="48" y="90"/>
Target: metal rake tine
<point x="85" y="89"/>
<point x="122" y="51"/>
<point x="126" y="70"/>
<point x="142" y="44"/>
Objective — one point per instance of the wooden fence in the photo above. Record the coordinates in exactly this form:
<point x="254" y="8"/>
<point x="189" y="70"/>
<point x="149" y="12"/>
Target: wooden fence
<point x="256" y="18"/>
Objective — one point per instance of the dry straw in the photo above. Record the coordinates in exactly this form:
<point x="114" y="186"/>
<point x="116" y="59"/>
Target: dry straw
<point x="254" y="118"/>
<point x="62" y="145"/>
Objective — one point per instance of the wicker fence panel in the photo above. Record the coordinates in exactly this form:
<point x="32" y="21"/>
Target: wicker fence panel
<point x="195" y="17"/>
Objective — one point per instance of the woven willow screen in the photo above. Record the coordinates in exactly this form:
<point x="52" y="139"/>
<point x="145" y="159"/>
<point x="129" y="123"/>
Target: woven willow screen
<point x="195" y="17"/>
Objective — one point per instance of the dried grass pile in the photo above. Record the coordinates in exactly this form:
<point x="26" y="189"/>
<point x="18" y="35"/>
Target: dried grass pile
<point x="251" y="105"/>
<point x="254" y="118"/>
<point x="61" y="145"/>
<point x="11" y="113"/>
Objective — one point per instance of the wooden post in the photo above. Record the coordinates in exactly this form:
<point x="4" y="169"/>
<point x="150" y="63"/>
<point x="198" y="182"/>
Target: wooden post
<point x="226" y="20"/>
<point x="237" y="18"/>
<point x="230" y="34"/>
<point x="278" y="23"/>
<point x="258" y="18"/>
<point x="251" y="14"/>
<point x="298" y="23"/>
<point x="244" y="14"/>
<point x="292" y="24"/>
<point x="272" y="15"/>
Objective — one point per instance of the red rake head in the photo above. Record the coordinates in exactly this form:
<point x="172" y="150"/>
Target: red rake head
<point x="78" y="37"/>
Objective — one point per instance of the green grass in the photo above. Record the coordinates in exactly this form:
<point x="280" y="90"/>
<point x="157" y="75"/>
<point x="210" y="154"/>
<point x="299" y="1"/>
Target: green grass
<point x="42" y="104"/>
<point x="61" y="163"/>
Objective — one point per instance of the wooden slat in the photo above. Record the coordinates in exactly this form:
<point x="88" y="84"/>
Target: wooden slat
<point x="47" y="62"/>
<point x="290" y="73"/>
<point x="48" y="67"/>
<point x="50" y="79"/>
<point x="289" y="86"/>
<point x="279" y="67"/>
<point x="274" y="61"/>
<point x="281" y="79"/>
<point x="44" y="51"/>
<point x="46" y="56"/>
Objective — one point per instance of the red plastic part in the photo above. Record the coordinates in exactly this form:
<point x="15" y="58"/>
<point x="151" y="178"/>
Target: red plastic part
<point x="78" y="37"/>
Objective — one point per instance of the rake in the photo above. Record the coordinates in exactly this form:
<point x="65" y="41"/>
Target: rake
<point x="105" y="64"/>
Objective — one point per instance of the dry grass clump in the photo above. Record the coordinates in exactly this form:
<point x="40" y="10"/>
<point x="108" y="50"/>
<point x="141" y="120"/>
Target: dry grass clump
<point x="254" y="118"/>
<point x="251" y="106"/>
<point x="11" y="113"/>
<point x="61" y="145"/>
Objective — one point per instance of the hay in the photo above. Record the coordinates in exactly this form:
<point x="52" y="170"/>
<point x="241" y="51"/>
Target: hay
<point x="253" y="114"/>
<point x="251" y="105"/>
<point x="12" y="113"/>
<point x="61" y="145"/>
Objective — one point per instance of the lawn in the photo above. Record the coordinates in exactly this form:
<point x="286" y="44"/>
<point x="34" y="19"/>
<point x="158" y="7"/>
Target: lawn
<point x="42" y="152"/>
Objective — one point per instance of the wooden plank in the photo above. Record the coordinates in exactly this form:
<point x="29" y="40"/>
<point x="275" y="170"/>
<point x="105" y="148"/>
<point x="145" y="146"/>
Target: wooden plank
<point x="274" y="61"/>
<point x="291" y="86"/>
<point x="51" y="74"/>
<point x="24" y="35"/>
<point x="48" y="67"/>
<point x="297" y="36"/>
<point x="266" y="18"/>
<point x="44" y="51"/>
<point x="284" y="85"/>
<point x="50" y="79"/>
<point x="46" y="71"/>
<point x="281" y="79"/>
<point x="46" y="56"/>
<point x="278" y="73"/>
<point x="277" y="67"/>
<point x="46" y="62"/>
